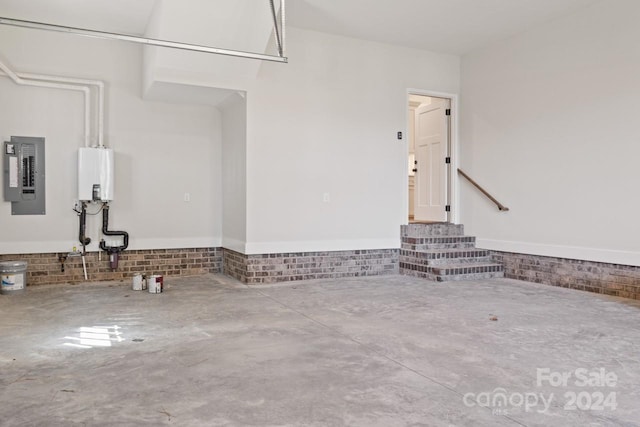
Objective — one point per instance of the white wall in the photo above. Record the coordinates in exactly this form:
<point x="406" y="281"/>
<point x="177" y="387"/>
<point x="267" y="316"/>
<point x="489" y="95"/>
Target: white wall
<point x="326" y="123"/>
<point x="234" y="172"/>
<point x="162" y="150"/>
<point x="549" y="126"/>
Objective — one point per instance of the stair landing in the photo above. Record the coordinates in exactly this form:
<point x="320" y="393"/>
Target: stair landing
<point x="441" y="252"/>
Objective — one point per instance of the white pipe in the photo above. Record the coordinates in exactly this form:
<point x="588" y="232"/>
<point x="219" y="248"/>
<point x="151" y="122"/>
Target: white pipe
<point x="84" y="268"/>
<point x="98" y="83"/>
<point x="100" y="114"/>
<point x="85" y="89"/>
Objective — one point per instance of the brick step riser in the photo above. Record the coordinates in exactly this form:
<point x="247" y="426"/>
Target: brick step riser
<point x="432" y="246"/>
<point x="445" y="254"/>
<point x="455" y="270"/>
<point x="439" y="262"/>
<point x="458" y="261"/>
<point x="450" y="270"/>
<point x="455" y="278"/>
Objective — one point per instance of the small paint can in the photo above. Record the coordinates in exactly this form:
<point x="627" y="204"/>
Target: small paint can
<point x="155" y="284"/>
<point x="138" y="282"/>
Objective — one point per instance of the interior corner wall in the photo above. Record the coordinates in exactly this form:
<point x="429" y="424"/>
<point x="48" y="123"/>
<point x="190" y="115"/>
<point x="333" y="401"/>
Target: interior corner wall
<point x="242" y="25"/>
<point x="325" y="170"/>
<point x="162" y="151"/>
<point x="234" y="172"/>
<point x="549" y="126"/>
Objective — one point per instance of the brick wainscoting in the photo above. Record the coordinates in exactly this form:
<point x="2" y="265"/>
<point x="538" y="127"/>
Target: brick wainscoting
<point x="601" y="278"/>
<point x="271" y="268"/>
<point x="46" y="268"/>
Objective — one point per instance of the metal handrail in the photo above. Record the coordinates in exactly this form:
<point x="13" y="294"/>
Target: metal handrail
<point x="501" y="207"/>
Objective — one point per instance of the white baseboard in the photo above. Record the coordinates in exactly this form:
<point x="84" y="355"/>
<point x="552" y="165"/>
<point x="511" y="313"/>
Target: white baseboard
<point x="24" y="247"/>
<point x="558" y="251"/>
<point x="176" y="243"/>
<point x="320" y="246"/>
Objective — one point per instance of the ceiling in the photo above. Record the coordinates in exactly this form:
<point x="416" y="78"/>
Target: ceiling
<point x="447" y="26"/>
<point x="122" y="16"/>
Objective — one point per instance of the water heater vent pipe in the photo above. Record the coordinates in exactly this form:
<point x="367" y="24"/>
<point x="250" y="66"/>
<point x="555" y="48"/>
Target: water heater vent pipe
<point x="74" y="80"/>
<point x="85" y="89"/>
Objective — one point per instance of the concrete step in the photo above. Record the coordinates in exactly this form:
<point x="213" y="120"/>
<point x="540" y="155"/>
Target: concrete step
<point x="437" y="242"/>
<point x="434" y="229"/>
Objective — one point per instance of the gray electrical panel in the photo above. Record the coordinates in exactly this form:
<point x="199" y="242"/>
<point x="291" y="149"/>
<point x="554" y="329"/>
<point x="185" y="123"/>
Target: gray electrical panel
<point x="24" y="175"/>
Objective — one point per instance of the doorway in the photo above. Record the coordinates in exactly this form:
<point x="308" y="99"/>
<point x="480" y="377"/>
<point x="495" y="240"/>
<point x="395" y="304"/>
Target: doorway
<point x="429" y="135"/>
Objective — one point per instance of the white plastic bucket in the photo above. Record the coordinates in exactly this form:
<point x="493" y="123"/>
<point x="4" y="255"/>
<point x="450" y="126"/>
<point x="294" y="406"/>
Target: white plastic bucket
<point x="14" y="277"/>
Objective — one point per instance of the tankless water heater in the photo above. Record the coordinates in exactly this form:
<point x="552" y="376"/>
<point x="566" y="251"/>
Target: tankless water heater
<point x="95" y="174"/>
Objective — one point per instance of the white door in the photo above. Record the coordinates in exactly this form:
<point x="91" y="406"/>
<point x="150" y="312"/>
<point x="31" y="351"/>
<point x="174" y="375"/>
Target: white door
<point x="432" y="146"/>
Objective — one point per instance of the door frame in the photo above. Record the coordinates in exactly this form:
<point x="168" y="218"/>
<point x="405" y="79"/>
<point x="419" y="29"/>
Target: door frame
<point x="453" y="196"/>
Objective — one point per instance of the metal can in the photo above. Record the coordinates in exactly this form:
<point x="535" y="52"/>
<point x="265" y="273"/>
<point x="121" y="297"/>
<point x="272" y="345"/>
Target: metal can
<point x="138" y="282"/>
<point x="155" y="284"/>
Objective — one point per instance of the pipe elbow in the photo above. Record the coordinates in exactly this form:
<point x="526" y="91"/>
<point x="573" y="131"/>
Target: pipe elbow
<point x="107" y="232"/>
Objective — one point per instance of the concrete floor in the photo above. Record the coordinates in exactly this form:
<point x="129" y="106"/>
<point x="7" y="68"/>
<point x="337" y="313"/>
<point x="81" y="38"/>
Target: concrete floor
<point x="388" y="351"/>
